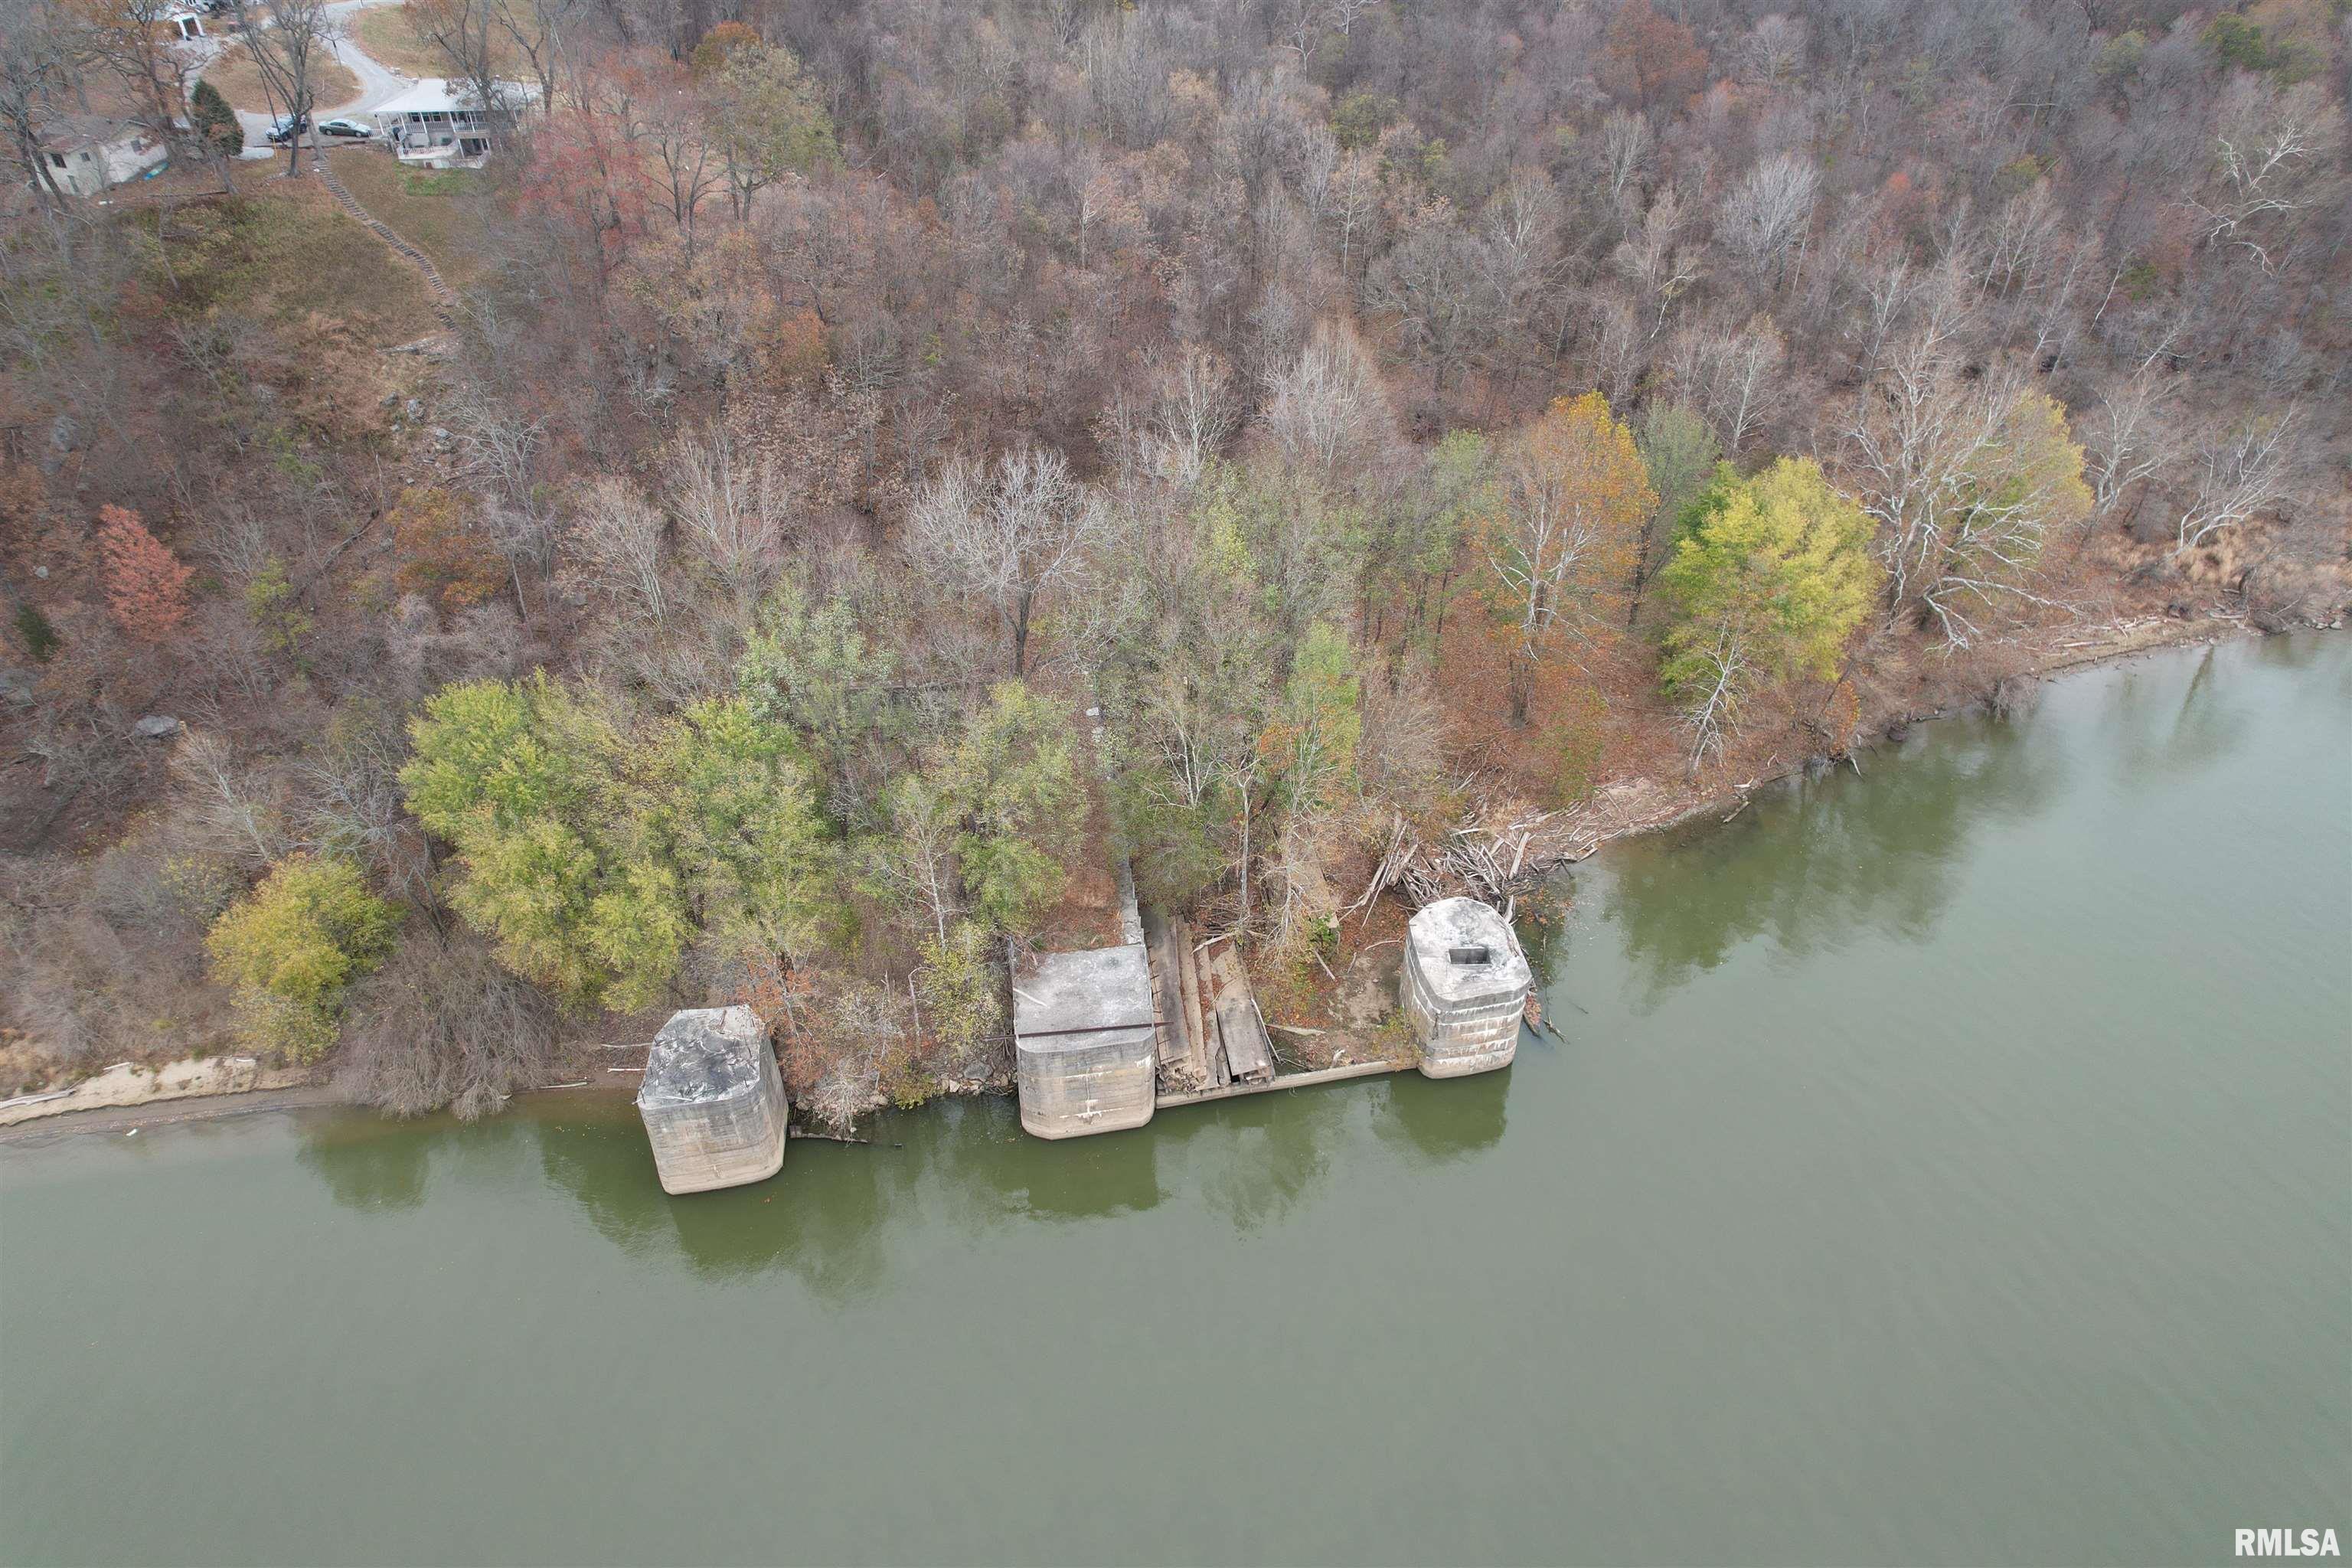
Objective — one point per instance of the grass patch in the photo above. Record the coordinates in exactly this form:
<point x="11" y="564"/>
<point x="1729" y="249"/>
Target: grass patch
<point x="287" y="254"/>
<point x="389" y="37"/>
<point x="240" y="81"/>
<point x="439" y="211"/>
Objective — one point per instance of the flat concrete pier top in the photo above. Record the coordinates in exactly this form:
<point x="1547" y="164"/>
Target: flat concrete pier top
<point x="1451" y="925"/>
<point x="1070" y="1001"/>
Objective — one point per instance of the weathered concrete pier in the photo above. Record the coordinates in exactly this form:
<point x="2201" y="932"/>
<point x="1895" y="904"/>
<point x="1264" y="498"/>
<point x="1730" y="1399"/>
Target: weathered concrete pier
<point x="713" y="1101"/>
<point x="1464" y="984"/>
<point x="1104" y="1036"/>
<point x="1084" y="1040"/>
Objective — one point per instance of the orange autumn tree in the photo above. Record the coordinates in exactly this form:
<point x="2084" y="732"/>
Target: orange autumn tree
<point x="146" y="586"/>
<point x="1653" y="59"/>
<point x="1572" y="498"/>
<point x="441" y="555"/>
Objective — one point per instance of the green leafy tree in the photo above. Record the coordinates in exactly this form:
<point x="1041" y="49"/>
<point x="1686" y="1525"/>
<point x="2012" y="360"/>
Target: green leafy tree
<point x="291" y="946"/>
<point x="1413" y="544"/>
<point x="596" y="858"/>
<point x="275" y="607"/>
<point x="639" y="928"/>
<point x="740" y="823"/>
<point x="532" y="889"/>
<point x="961" y="993"/>
<point x="1017" y="782"/>
<point x="1313" y="739"/>
<point x="1679" y="448"/>
<point x="219" y="129"/>
<point x="1770" y="575"/>
<point x="494" y="756"/>
<point x="768" y="120"/>
<point x="813" y="667"/>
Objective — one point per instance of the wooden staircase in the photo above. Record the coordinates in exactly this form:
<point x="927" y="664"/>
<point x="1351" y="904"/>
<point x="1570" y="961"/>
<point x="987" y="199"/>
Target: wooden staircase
<point x="445" y="299"/>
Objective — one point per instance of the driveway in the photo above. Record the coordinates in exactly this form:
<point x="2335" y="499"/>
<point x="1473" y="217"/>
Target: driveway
<point x="379" y="83"/>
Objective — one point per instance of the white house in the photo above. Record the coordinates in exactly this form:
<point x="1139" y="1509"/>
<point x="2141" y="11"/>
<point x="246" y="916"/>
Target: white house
<point x="87" y="153"/>
<point x="441" y="122"/>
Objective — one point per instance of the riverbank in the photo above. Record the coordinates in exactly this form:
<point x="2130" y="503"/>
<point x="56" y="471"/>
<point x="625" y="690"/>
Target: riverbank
<point x="1336" y="1027"/>
<point x="1648" y="804"/>
<point x="1919" y="1147"/>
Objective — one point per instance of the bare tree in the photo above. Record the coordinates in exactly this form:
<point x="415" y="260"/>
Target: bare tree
<point x="2271" y="152"/>
<point x="729" y="504"/>
<point x="1655" y="260"/>
<point x="1520" y="254"/>
<point x="1627" y="147"/>
<point x="289" y="42"/>
<point x="1767" y="214"/>
<point x="1968" y="476"/>
<point x="2241" y="469"/>
<point x="234" y="806"/>
<point x="36" y="70"/>
<point x="464" y="32"/>
<point x="2126" y="437"/>
<point x="1711" y="714"/>
<point x="1431" y="283"/>
<point x="137" y="43"/>
<point x="1192" y="412"/>
<point x="1330" y="406"/>
<point x="618" y="534"/>
<point x="1006" y="533"/>
<point x="444" y="1023"/>
<point x="1727" y="371"/>
<point x="1775" y="51"/>
<point x="1352" y="208"/>
<point x="916" y="858"/>
<point x="540" y="31"/>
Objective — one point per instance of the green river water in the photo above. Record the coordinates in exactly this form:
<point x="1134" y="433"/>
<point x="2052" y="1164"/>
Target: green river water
<point x="1949" y="1164"/>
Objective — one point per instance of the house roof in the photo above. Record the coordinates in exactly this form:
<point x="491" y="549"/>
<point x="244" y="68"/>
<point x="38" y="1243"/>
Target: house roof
<point x="67" y="132"/>
<point x="438" y="95"/>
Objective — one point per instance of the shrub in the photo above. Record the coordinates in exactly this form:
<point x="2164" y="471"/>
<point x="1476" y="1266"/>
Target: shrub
<point x="291" y="946"/>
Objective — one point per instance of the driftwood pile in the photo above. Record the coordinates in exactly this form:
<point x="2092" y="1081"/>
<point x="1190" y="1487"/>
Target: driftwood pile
<point x="1497" y="850"/>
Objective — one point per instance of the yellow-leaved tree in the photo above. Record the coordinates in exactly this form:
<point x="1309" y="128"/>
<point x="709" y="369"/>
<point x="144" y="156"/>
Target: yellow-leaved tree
<point x="1769" y="577"/>
<point x="291" y="946"/>
<point x="1571" y="497"/>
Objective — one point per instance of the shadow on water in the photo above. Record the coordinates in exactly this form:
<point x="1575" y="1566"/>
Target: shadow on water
<point x="1440" y="1122"/>
<point x="1005" y="1173"/>
<point x="821" y="1220"/>
<point x="1255" y="1159"/>
<point x="2159" y="724"/>
<point x="369" y="1164"/>
<point x="1815" y="861"/>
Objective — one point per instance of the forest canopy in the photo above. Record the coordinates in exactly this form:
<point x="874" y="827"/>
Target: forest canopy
<point x="855" y="472"/>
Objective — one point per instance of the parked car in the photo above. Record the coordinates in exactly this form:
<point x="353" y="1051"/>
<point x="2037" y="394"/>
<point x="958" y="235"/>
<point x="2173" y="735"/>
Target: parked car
<point x="286" y="130"/>
<point x="350" y="130"/>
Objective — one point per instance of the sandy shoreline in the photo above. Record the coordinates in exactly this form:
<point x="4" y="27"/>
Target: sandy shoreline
<point x="1651" y="808"/>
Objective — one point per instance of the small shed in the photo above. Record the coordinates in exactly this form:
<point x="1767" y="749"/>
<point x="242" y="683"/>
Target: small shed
<point x="1464" y="986"/>
<point x="1086" y="1041"/>
<point x="713" y="1100"/>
